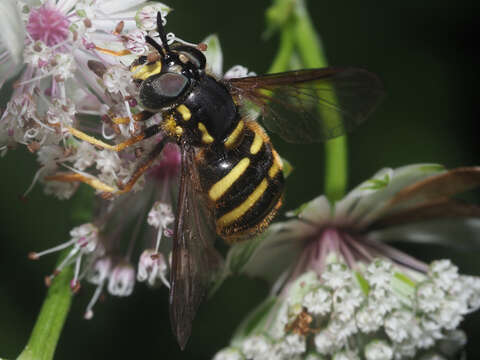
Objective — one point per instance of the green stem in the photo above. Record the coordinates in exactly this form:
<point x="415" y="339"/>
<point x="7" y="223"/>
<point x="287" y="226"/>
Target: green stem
<point x="311" y="51"/>
<point x="48" y="327"/>
<point x="51" y="319"/>
<point x="284" y="55"/>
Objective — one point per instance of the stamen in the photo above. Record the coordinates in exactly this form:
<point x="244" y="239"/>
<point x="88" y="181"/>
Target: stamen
<point x="37" y="255"/>
<point x="34" y="181"/>
<point x="96" y="295"/>
<point x="159" y="239"/>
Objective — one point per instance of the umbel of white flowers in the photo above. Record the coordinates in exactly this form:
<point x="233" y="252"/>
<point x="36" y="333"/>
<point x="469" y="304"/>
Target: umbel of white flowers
<point x="340" y="291"/>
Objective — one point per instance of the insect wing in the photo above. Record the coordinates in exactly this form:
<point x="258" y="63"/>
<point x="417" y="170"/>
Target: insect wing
<point x="307" y="106"/>
<point x="194" y="259"/>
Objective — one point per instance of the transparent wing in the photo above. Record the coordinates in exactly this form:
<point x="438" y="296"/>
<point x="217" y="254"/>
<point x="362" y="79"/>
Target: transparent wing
<point x="194" y="259"/>
<point x="311" y="105"/>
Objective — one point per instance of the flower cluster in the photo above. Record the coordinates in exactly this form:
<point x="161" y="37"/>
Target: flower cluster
<point x="344" y="293"/>
<point x="378" y="312"/>
<point x="76" y="79"/>
<point x="58" y="90"/>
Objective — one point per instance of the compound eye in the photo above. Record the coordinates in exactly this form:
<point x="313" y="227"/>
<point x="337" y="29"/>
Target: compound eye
<point x="171" y="85"/>
<point x="162" y="90"/>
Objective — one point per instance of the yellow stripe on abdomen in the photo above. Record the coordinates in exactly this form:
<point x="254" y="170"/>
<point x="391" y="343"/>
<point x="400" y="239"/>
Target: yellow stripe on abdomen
<point x="256" y="144"/>
<point x="240" y="210"/>
<point x="221" y="186"/>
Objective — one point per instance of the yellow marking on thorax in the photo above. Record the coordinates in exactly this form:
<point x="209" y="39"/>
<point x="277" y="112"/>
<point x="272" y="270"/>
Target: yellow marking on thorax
<point x="206" y="137"/>
<point x="232" y="138"/>
<point x="142" y="72"/>
<point x="256" y="144"/>
<point x="221" y="186"/>
<point x="238" y="212"/>
<point x="185" y="112"/>
<point x="178" y="131"/>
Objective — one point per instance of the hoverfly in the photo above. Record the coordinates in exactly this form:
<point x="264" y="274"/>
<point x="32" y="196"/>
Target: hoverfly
<point x="231" y="179"/>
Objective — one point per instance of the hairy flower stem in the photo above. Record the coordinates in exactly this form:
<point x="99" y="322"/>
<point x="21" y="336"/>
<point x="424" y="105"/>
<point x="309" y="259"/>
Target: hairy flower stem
<point x="48" y="327"/>
<point x="310" y="49"/>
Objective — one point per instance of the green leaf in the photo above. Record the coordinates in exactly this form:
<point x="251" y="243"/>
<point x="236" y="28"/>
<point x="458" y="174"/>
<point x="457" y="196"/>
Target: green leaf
<point x="364" y="285"/>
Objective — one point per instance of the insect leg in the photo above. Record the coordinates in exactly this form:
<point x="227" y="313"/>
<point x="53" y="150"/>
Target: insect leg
<point x="141" y="116"/>
<point x="148" y="132"/>
<point x="105" y="188"/>
<point x="74" y="177"/>
<point x="113" y="52"/>
<point x="143" y="167"/>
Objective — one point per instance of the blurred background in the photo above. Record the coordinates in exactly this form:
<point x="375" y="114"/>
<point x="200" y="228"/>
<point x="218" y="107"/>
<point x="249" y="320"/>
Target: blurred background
<point x="427" y="56"/>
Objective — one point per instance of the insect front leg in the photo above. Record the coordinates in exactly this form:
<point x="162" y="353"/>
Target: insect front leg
<point x="146" y="133"/>
<point x="141" y="116"/>
<point x="142" y="168"/>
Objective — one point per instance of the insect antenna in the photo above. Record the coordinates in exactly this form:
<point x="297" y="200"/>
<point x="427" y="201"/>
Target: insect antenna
<point x="163" y="49"/>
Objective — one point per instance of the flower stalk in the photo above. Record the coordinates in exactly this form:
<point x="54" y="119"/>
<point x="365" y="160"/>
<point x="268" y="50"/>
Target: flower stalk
<point x="48" y="327"/>
<point x="311" y="52"/>
<point x="299" y="38"/>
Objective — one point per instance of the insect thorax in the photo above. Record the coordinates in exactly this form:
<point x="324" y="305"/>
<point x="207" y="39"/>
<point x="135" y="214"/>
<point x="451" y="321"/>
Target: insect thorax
<point x="207" y="114"/>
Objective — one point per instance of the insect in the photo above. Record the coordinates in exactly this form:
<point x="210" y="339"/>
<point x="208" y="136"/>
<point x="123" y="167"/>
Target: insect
<point x="231" y="179"/>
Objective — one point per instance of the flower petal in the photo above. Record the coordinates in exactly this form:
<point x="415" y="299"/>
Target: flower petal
<point x="12" y="34"/>
<point x="214" y="55"/>
<point x="270" y="254"/>
<point x="318" y="210"/>
<point x="368" y="200"/>
<point x="427" y="211"/>
<point x="444" y="185"/>
<point x="458" y="232"/>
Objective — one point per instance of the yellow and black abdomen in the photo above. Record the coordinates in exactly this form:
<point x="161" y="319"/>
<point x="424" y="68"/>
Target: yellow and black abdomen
<point x="243" y="180"/>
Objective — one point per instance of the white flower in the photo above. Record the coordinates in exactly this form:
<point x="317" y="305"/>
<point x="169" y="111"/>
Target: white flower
<point x="229" y="354"/>
<point x="161" y="215"/>
<point x="378" y="350"/>
<point x="108" y="162"/>
<point x="85" y="155"/>
<point x="152" y="267"/>
<point x="318" y="302"/>
<point x="341" y="286"/>
<point x="256" y="347"/>
<point x="122" y="280"/>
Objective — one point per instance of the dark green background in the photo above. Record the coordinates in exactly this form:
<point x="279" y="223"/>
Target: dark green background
<point x="426" y="55"/>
